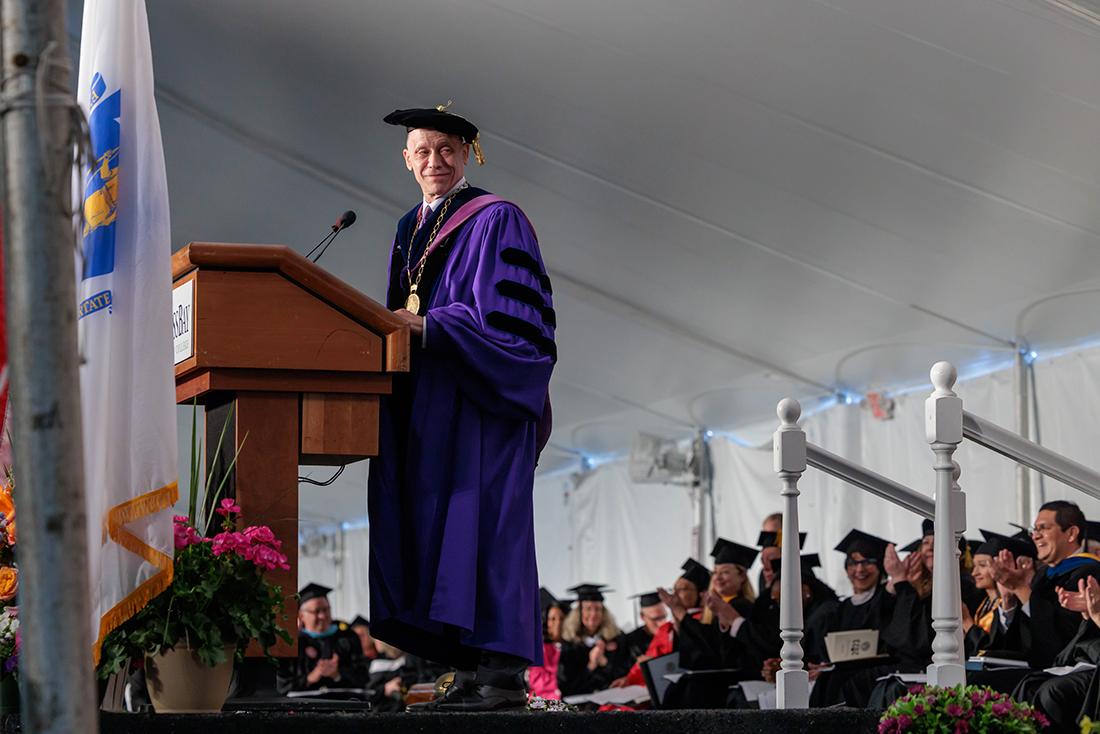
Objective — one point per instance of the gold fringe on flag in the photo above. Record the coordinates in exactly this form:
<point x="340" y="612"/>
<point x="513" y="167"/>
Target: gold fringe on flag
<point x="135" y="601"/>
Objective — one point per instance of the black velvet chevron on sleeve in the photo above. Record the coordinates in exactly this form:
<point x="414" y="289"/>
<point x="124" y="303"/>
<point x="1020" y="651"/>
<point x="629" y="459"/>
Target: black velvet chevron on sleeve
<point x="524" y="330"/>
<point x="523" y="259"/>
<point x="524" y="294"/>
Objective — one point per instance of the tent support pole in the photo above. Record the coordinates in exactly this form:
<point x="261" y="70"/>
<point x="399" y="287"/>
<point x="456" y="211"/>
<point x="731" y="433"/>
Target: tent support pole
<point x="40" y="290"/>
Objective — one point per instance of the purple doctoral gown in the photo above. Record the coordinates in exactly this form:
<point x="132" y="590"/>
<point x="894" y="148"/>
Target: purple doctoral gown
<point x="450" y="494"/>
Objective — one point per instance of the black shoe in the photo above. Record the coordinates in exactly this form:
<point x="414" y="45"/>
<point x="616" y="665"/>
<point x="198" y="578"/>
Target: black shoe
<point x="462" y="679"/>
<point x="476" y="697"/>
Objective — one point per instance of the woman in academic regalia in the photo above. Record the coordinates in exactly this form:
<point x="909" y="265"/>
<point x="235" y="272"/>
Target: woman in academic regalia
<point x="870" y="606"/>
<point x="543" y="679"/>
<point x="593" y="653"/>
<point x="723" y="638"/>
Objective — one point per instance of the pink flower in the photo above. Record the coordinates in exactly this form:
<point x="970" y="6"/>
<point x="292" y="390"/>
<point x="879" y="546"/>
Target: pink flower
<point x="918" y="710"/>
<point x="259" y="534"/>
<point x="961" y="726"/>
<point x="1000" y="709"/>
<point x="184" y="534"/>
<point x="227" y="506"/>
<point x="228" y="542"/>
<point x="954" y="710"/>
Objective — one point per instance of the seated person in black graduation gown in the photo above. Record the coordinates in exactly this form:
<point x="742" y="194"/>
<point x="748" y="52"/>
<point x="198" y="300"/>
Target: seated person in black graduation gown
<point x="329" y="653"/>
<point x="1059" y="536"/>
<point x="593" y="651"/>
<point x="871" y="606"/>
<point x="994" y="627"/>
<point x="686" y="595"/>
<point x="1032" y="619"/>
<point x="723" y="638"/>
<point x="652" y="614"/>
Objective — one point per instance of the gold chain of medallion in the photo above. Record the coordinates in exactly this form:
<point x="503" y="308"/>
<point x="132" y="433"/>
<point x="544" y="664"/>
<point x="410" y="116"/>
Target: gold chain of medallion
<point x="412" y="303"/>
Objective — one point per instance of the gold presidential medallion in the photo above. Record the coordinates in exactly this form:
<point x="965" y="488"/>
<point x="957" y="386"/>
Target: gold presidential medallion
<point x="412" y="303"/>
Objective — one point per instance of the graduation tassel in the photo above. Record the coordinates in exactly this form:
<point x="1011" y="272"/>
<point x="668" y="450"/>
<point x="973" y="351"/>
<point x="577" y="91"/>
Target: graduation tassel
<point x="477" y="151"/>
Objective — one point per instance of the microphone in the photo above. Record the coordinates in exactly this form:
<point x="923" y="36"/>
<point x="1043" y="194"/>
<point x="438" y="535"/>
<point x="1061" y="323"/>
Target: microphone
<point x="346" y="220"/>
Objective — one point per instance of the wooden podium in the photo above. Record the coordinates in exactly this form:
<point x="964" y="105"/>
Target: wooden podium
<point x="292" y="358"/>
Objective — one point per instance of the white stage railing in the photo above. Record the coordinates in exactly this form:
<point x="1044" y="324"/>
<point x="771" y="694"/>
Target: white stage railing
<point x="792" y="455"/>
<point x="946" y="425"/>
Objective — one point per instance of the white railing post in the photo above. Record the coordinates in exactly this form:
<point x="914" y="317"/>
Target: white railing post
<point x="789" y="442"/>
<point x="943" y="429"/>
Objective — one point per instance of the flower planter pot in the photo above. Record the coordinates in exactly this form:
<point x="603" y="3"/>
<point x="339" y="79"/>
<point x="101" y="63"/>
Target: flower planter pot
<point x="179" y="682"/>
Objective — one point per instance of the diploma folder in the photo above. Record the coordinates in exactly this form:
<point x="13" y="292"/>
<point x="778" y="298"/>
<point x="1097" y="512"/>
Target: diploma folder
<point x="851" y="645"/>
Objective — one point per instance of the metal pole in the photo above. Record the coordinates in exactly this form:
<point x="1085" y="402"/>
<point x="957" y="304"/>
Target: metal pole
<point x="1023" y="475"/>
<point x="57" y="689"/>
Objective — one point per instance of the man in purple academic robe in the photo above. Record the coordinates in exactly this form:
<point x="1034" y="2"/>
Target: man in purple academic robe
<point x="452" y="567"/>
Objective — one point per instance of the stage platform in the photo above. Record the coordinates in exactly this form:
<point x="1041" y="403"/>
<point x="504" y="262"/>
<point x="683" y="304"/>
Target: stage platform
<point x="823" y="721"/>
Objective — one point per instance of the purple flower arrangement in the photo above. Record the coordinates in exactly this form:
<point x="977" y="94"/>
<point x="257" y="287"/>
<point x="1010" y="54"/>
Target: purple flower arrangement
<point x="969" y="710"/>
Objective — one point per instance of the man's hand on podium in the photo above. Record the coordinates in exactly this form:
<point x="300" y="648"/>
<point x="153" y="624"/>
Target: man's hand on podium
<point x="416" y="323"/>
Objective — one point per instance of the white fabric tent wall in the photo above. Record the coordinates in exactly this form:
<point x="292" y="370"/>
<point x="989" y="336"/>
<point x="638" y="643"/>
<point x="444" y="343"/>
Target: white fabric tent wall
<point x="342" y="566"/>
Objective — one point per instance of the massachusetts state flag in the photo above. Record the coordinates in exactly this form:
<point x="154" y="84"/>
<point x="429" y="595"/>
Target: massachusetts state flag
<point x="124" y="319"/>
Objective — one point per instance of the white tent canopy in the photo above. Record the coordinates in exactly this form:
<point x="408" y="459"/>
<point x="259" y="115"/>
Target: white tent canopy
<point x="738" y="202"/>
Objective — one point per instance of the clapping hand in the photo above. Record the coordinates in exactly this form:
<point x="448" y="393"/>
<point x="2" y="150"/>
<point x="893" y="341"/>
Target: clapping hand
<point x="725" y="613"/>
<point x="1091" y="589"/>
<point x="1007" y="572"/>
<point x="679" y="611"/>
<point x="325" y="668"/>
<point x="914" y="567"/>
<point x="597" y="656"/>
<point x="1074" y="601"/>
<point x="895" y="567"/>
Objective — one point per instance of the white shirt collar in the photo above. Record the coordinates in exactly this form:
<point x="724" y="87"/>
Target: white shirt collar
<point x="861" y="598"/>
<point x="439" y="202"/>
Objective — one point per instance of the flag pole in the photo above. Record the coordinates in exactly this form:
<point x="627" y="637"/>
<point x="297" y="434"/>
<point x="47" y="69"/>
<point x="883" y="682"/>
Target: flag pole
<point x="58" y="693"/>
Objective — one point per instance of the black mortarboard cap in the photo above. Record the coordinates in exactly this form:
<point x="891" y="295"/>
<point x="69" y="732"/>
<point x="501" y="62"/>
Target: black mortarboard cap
<point x="863" y="543"/>
<point x="927" y="527"/>
<point x="548" y="600"/>
<point x="1093" y="529"/>
<point x="768" y="539"/>
<point x="726" y="551"/>
<point x="647" y="599"/>
<point x="589" y="592"/>
<point x="360" y="621"/>
<point x="1018" y="546"/>
<point x="809" y="562"/>
<point x="312" y="591"/>
<point x="437" y="118"/>
<point x="696" y="573"/>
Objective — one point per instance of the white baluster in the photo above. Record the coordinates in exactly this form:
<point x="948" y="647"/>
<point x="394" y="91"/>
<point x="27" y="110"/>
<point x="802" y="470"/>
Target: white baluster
<point x="943" y="429"/>
<point x="789" y="442"/>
